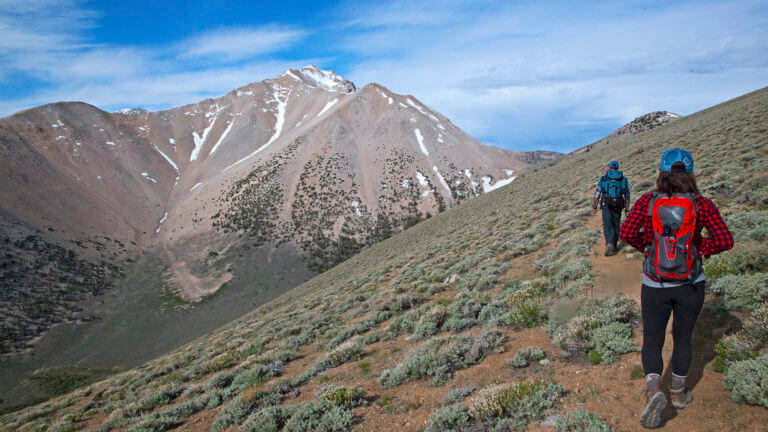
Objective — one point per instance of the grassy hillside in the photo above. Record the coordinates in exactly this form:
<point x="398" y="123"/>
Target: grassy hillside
<point x="433" y="328"/>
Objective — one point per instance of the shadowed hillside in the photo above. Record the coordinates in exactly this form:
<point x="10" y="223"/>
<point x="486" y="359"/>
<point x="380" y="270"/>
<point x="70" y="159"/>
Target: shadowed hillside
<point x="484" y="317"/>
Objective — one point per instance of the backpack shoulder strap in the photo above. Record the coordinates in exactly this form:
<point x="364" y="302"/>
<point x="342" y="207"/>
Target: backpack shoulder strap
<point x="654" y="196"/>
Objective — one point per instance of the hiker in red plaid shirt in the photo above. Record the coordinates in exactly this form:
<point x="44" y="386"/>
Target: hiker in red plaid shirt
<point x="663" y="294"/>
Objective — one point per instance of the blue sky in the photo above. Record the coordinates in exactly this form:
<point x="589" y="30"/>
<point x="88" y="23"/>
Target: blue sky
<point x="521" y="75"/>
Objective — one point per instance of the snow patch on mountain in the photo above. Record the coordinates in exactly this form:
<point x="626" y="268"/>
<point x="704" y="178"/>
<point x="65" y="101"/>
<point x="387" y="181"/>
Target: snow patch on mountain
<point x="441" y="179"/>
<point x="422" y="180"/>
<point x="356" y="205"/>
<point x="132" y="111"/>
<point x="420" y="139"/>
<point x="328" y="80"/>
<point x="327" y="107"/>
<point x="200" y="140"/>
<point x="279" y="121"/>
<point x="223" y="135"/>
<point x="160" y="225"/>
<point x="165" y="156"/>
<point x="487" y="187"/>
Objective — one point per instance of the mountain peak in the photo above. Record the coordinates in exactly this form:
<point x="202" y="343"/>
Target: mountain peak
<point x="132" y="111"/>
<point x="326" y="79"/>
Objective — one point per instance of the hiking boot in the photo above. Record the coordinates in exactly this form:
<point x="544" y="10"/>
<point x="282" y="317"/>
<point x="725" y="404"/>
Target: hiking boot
<point x="610" y="250"/>
<point x="680" y="397"/>
<point x="655" y="403"/>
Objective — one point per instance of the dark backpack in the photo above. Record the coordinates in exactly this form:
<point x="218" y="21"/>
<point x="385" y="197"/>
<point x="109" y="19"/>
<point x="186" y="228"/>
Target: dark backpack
<point x="611" y="189"/>
<point x="672" y="256"/>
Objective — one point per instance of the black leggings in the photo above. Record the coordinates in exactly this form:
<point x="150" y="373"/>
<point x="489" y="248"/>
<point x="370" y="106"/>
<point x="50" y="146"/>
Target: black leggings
<point x="657" y="304"/>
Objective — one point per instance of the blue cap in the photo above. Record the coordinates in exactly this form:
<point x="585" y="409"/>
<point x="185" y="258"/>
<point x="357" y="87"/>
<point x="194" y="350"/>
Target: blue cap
<point x="614" y="165"/>
<point x="671" y="156"/>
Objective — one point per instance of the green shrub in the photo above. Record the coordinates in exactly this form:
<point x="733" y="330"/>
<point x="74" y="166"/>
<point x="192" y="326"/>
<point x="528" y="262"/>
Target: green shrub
<point x="581" y="421"/>
<point x="745" y="257"/>
<point x="745" y="344"/>
<point x="270" y="419"/>
<point x="471" y="261"/>
<point x="611" y="340"/>
<point x="345" y="397"/>
<point x="319" y="416"/>
<point x="525" y="356"/>
<point x="748" y="381"/>
<point x="239" y="408"/>
<point x="749" y="225"/>
<point x="349" y="350"/>
<point x="457" y="395"/>
<point x="255" y="375"/>
<point x="516" y="404"/>
<point x="527" y="307"/>
<point x="743" y="292"/>
<point x="440" y="357"/>
<point x="450" y="418"/>
<point x="424" y="330"/>
<point x="601" y="326"/>
<point x="220" y="380"/>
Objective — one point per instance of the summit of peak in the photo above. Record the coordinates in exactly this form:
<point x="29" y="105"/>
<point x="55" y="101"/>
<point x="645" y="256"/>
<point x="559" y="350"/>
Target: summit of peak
<point x="326" y="79"/>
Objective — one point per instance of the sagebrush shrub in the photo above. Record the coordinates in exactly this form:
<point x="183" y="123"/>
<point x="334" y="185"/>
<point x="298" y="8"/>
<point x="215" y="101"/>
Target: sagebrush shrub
<point x="517" y="404"/>
<point x="611" y="340"/>
<point x="748" y="257"/>
<point x="580" y="420"/>
<point x="319" y="416"/>
<point x="749" y="225"/>
<point x="743" y="292"/>
<point x="440" y="357"/>
<point x="745" y="344"/>
<point x="525" y="356"/>
<point x="451" y="418"/>
<point x="457" y="395"/>
<point x="345" y="397"/>
<point x="601" y="327"/>
<point x="748" y="381"/>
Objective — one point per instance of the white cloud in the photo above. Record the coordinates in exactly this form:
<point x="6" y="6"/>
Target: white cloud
<point x="500" y="80"/>
<point x="238" y="43"/>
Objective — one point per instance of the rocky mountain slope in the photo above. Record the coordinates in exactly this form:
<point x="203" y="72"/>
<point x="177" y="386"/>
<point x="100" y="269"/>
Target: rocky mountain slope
<point x="641" y="124"/>
<point x="488" y="316"/>
<point x="190" y="217"/>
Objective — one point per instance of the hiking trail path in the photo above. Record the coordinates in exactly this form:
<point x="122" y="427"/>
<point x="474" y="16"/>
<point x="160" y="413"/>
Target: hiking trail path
<point x="610" y="390"/>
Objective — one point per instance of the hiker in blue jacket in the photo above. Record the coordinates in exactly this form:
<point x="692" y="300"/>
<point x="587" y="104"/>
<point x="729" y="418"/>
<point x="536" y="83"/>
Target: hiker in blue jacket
<point x="613" y="188"/>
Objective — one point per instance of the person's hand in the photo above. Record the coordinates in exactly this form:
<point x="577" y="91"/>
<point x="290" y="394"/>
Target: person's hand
<point x="594" y="210"/>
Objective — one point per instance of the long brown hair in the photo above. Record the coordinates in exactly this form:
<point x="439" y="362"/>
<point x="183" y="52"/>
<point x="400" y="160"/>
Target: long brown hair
<point x="676" y="181"/>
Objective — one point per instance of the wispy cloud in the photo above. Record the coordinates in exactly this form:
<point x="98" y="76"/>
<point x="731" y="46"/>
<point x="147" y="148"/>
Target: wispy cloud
<point x="502" y="82"/>
<point x="44" y="40"/>
<point x="239" y="43"/>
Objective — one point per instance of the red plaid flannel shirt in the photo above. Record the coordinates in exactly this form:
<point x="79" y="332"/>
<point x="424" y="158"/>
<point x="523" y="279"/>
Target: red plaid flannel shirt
<point x="720" y="238"/>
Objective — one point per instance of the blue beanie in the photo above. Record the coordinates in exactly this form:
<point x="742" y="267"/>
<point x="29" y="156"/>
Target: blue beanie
<point x="672" y="156"/>
<point x="614" y="165"/>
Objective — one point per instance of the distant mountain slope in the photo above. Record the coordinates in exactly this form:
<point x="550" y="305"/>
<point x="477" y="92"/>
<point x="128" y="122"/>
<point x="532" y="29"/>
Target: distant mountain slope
<point x="643" y="123"/>
<point x="195" y="214"/>
<point x="441" y="306"/>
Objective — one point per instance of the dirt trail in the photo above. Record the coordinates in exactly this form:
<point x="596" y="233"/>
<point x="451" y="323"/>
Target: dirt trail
<point x="618" y="274"/>
<point x="608" y="390"/>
